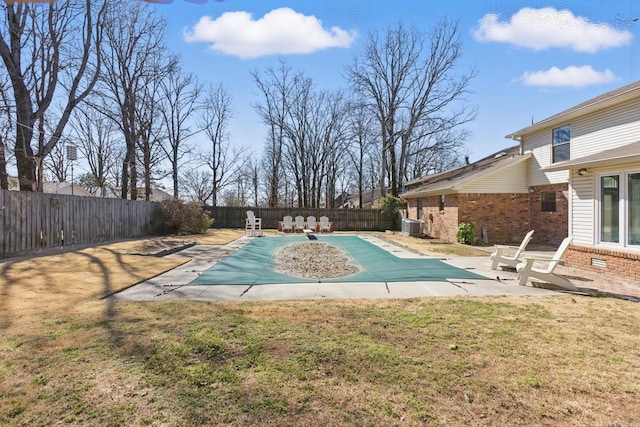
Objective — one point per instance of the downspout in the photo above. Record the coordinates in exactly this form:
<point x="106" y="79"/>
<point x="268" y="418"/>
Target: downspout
<point x="521" y="151"/>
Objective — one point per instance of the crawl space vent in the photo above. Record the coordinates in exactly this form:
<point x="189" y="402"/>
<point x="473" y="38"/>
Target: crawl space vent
<point x="598" y="263"/>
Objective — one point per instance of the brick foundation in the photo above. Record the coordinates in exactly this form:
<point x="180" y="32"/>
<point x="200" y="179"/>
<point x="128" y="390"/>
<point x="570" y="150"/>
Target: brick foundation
<point x="618" y="263"/>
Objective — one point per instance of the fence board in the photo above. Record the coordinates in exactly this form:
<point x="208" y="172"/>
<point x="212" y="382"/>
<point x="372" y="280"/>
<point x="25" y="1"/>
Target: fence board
<point x="32" y="221"/>
<point x="343" y="219"/>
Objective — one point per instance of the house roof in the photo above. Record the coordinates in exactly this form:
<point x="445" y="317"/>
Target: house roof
<point x="454" y="180"/>
<point x="64" y="188"/>
<point x="605" y="100"/>
<point x="625" y="154"/>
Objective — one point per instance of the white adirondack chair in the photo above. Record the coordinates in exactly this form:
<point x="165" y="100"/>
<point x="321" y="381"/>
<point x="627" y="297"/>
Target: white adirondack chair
<point x="505" y="254"/>
<point x="299" y="225"/>
<point x="324" y="224"/>
<point x="287" y="223"/>
<point x="311" y="223"/>
<point x="527" y="270"/>
<point x="253" y="225"/>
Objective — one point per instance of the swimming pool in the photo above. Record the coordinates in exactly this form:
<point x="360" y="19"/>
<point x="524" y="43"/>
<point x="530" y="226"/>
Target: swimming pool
<point x="254" y="264"/>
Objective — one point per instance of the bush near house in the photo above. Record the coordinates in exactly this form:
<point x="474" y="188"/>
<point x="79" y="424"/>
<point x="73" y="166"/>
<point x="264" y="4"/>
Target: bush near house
<point x="466" y="234"/>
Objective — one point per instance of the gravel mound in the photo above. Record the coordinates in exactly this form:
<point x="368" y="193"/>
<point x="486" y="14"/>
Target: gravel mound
<point x="313" y="260"/>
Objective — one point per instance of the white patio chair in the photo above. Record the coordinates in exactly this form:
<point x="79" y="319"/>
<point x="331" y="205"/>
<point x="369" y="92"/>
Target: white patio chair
<point x="324" y="224"/>
<point x="253" y="225"/>
<point x="500" y="255"/>
<point x="527" y="270"/>
<point x="299" y="225"/>
<point x="311" y="223"/>
<point x="287" y="224"/>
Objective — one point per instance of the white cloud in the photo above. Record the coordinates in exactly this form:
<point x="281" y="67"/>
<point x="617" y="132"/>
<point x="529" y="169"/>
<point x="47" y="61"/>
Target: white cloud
<point x="281" y="31"/>
<point x="571" y="76"/>
<point x="545" y="28"/>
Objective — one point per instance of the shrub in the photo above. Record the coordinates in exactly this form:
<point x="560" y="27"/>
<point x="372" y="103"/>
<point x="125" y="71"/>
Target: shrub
<point x="179" y="217"/>
<point x="389" y="207"/>
<point x="466" y="233"/>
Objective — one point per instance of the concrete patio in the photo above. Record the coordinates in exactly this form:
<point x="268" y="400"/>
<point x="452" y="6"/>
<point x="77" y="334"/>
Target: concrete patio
<point x="173" y="285"/>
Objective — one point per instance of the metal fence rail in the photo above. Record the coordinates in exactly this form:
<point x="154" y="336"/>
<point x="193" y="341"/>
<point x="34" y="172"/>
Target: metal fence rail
<point x="343" y="219"/>
<point x="33" y="221"/>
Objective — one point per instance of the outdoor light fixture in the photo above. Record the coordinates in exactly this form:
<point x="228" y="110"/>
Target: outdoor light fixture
<point x="582" y="171"/>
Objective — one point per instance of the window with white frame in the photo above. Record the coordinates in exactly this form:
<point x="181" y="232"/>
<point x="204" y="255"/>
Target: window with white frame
<point x="561" y="145"/>
<point x="619" y="208"/>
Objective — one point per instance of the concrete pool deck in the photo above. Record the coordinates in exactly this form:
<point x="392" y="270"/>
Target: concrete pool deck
<point x="172" y="285"/>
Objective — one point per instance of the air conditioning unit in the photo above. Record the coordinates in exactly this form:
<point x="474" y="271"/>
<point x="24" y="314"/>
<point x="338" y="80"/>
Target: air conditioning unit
<point x="412" y="227"/>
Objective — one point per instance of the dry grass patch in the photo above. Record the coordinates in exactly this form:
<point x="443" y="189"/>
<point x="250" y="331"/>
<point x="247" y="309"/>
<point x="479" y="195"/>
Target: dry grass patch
<point x="68" y="357"/>
<point x="429" y="246"/>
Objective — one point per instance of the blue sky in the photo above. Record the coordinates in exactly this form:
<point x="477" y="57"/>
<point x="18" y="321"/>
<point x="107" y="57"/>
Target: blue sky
<point x="533" y="59"/>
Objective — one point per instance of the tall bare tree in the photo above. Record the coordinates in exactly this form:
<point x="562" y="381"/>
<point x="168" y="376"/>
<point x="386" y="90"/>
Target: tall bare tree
<point x="56" y="164"/>
<point x="196" y="184"/>
<point x="224" y="161"/>
<point x="134" y="49"/>
<point x="180" y="94"/>
<point x="361" y="141"/>
<point x="6" y="124"/>
<point x="97" y="142"/>
<point x="410" y="83"/>
<point x="50" y="51"/>
<point x="275" y="86"/>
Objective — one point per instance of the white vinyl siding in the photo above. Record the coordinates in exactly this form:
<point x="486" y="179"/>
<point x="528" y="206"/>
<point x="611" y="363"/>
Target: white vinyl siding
<point x="605" y="130"/>
<point x="590" y="134"/>
<point x="539" y="144"/>
<point x="509" y="179"/>
<point x="584" y="218"/>
<point x="582" y="209"/>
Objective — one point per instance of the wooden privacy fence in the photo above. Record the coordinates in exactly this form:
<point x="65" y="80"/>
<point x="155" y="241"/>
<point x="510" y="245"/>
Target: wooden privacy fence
<point x="343" y="219"/>
<point x="32" y="221"/>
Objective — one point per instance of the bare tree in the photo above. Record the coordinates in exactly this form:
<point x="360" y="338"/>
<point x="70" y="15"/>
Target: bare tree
<point x="413" y="91"/>
<point x="56" y="164"/>
<point x="252" y="172"/>
<point x="429" y="157"/>
<point x="196" y="184"/>
<point x="361" y="141"/>
<point x="133" y="54"/>
<point x="152" y="129"/>
<point x="214" y="121"/>
<point x="96" y="141"/>
<point x="276" y="87"/>
<point x="6" y="124"/>
<point x="180" y="93"/>
<point x="300" y="102"/>
<point x="50" y="51"/>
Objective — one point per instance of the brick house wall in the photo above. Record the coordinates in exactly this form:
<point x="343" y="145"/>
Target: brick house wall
<point x="619" y="263"/>
<point x="551" y="227"/>
<point x="505" y="217"/>
<point x="439" y="224"/>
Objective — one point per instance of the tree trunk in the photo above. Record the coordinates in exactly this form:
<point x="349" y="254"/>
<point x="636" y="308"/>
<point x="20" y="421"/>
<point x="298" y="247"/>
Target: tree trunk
<point x="24" y="157"/>
<point x="4" y="176"/>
